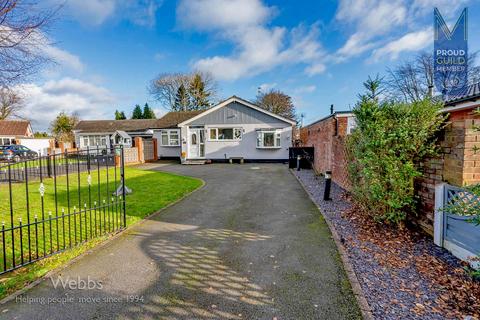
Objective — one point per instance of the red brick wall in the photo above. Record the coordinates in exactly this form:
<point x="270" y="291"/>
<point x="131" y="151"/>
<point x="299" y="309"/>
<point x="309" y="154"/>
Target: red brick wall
<point x="457" y="163"/>
<point x="340" y="163"/>
<point x="328" y="139"/>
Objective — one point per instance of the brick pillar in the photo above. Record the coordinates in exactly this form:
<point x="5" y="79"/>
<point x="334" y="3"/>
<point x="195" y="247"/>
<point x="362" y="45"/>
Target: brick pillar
<point x="471" y="156"/>
<point x="155" y="149"/>
<point x="462" y="162"/>
<point x="139" y="146"/>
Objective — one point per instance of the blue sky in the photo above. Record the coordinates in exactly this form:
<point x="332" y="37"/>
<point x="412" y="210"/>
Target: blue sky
<point x="319" y="52"/>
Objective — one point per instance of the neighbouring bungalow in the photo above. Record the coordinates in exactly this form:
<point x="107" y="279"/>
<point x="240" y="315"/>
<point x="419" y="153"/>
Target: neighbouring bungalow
<point x="233" y="129"/>
<point x="106" y="133"/>
<point x="12" y="130"/>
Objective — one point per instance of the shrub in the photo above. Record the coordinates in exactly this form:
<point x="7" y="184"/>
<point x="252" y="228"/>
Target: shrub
<point x="390" y="140"/>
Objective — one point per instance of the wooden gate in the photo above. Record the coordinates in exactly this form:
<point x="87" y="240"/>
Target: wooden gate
<point x="148" y="150"/>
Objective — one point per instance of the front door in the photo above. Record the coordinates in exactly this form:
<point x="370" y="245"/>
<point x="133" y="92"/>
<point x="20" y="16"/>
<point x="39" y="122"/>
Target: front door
<point x="196" y="143"/>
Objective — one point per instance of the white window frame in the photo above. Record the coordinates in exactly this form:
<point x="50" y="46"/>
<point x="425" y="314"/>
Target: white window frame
<point x="99" y="140"/>
<point x="168" y="133"/>
<point x="216" y="133"/>
<point x="351" y="124"/>
<point x="277" y="142"/>
<point x="3" y="140"/>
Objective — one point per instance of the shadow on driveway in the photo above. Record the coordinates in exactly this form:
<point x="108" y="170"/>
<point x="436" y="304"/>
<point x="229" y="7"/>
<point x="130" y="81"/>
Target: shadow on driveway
<point x="249" y="245"/>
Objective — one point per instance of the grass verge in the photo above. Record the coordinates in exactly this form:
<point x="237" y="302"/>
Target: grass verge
<point x="152" y="191"/>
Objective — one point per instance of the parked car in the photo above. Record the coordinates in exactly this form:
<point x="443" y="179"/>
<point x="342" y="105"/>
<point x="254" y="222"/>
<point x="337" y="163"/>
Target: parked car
<point x="16" y="153"/>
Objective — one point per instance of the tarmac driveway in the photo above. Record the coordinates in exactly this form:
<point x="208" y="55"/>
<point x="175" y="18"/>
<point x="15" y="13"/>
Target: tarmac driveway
<point x="249" y="245"/>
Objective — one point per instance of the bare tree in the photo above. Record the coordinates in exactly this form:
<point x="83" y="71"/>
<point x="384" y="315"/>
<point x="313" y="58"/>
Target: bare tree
<point x="277" y="102"/>
<point x="22" y="39"/>
<point x="10" y="103"/>
<point x="413" y="80"/>
<point x="164" y="88"/>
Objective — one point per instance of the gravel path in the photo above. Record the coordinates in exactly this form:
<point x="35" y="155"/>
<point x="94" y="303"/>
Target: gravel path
<point x="392" y="293"/>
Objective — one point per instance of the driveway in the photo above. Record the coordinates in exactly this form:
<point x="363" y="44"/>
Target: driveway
<point x="249" y="245"/>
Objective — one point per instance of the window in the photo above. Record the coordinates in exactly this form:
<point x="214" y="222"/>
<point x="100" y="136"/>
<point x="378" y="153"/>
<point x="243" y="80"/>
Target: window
<point x="92" y="141"/>
<point x="351" y="124"/>
<point x="170" y="138"/>
<point x="268" y="139"/>
<point x="194" y="139"/>
<point x="226" y="134"/>
<point x="213" y="134"/>
<point x="6" y="141"/>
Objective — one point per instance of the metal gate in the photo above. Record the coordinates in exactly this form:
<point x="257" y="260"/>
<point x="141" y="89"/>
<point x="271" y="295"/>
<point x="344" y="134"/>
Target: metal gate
<point x="52" y="203"/>
<point x="306" y="154"/>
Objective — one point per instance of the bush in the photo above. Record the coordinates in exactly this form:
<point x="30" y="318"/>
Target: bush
<point x="390" y="140"/>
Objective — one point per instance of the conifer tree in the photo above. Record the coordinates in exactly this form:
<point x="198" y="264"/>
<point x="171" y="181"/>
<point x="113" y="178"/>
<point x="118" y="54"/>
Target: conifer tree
<point x="182" y="101"/>
<point x="137" y="112"/>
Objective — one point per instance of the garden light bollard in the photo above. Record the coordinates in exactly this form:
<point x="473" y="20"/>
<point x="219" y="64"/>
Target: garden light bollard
<point x="299" y="157"/>
<point x="328" y="184"/>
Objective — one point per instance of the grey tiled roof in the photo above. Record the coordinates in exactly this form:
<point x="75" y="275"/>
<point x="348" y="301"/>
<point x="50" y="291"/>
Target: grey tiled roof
<point x="170" y="120"/>
<point x="470" y="92"/>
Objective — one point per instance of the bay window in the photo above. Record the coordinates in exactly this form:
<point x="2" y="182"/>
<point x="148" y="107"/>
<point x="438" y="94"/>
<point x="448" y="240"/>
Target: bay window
<point x="232" y="134"/>
<point x="170" y="138"/>
<point x="268" y="139"/>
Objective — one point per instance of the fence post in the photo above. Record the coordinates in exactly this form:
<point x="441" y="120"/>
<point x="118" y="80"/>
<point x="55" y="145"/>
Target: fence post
<point x="155" y="149"/>
<point x="122" y="173"/>
<point x="439" y="214"/>
<point x="49" y="167"/>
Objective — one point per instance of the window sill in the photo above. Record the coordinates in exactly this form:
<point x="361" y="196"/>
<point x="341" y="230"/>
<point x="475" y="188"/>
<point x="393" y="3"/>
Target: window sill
<point x="169" y="146"/>
<point x="267" y="148"/>
<point x="225" y="140"/>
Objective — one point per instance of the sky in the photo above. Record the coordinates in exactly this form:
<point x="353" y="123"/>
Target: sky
<point x="317" y="51"/>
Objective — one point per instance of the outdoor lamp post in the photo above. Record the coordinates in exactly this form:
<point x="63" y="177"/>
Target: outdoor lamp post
<point x="328" y="184"/>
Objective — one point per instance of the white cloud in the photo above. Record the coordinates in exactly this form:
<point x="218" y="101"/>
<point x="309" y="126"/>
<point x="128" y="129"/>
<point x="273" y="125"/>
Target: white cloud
<point x="44" y="102"/>
<point x="305" y="89"/>
<point x="93" y="12"/>
<point x="97" y="12"/>
<point x="413" y="41"/>
<point x="63" y="58"/>
<point x="371" y="18"/>
<point x="355" y="45"/>
<point x="258" y="48"/>
<point x="222" y="14"/>
<point x="448" y="8"/>
<point x="264" y="87"/>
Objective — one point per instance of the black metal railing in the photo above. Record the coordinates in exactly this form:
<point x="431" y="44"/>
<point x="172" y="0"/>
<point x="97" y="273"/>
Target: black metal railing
<point x="55" y="202"/>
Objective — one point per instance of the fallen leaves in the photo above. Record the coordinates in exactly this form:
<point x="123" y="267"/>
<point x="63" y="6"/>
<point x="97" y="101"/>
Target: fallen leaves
<point x="453" y="293"/>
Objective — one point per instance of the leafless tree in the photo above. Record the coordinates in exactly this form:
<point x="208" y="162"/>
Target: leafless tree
<point x="277" y="102"/>
<point x="413" y="80"/>
<point x="22" y="39"/>
<point x="165" y="86"/>
<point x="10" y="103"/>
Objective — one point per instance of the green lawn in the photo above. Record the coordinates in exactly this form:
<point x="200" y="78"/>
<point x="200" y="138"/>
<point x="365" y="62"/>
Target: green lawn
<point x="151" y="192"/>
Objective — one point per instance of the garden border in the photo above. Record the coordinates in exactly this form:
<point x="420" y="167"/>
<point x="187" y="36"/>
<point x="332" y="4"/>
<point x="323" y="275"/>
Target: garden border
<point x="102" y="244"/>
<point x="352" y="276"/>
